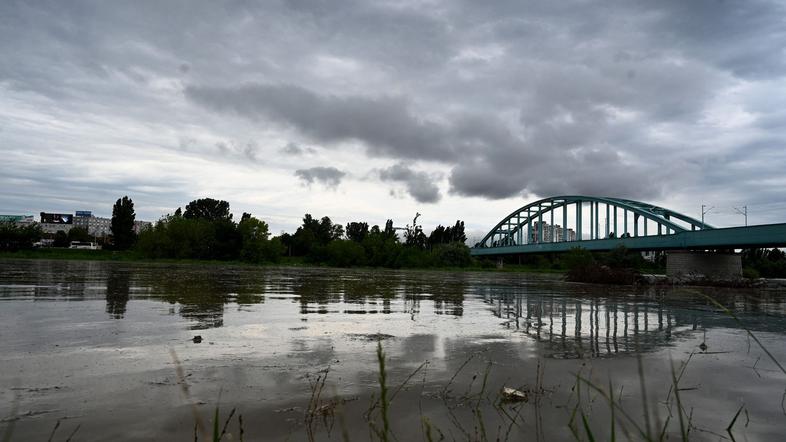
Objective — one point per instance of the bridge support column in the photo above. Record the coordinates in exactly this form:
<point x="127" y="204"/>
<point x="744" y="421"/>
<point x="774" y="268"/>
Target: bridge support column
<point x="718" y="266"/>
<point x="500" y="263"/>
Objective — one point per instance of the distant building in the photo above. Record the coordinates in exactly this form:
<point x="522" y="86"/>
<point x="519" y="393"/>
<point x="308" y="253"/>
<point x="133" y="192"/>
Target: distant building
<point x="55" y="222"/>
<point x="650" y="256"/>
<point x="19" y="220"/>
<point x="549" y="233"/>
<point x="95" y="225"/>
<point x="139" y="226"/>
<point x="51" y="223"/>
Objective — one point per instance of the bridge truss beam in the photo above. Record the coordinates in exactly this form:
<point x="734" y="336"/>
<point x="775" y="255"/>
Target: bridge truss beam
<point x="768" y="235"/>
<point x="509" y="231"/>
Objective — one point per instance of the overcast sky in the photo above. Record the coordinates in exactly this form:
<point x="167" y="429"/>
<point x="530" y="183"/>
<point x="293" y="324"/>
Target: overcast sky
<point x="365" y="110"/>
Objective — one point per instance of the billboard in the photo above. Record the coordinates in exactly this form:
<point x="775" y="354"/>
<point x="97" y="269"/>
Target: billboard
<point x="57" y="218"/>
<point x="84" y="213"/>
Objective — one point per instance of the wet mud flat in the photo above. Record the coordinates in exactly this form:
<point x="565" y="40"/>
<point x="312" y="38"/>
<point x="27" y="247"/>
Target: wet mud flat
<point x="294" y="353"/>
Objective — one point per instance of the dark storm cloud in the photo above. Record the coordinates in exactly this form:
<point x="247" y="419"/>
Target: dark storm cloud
<point x="330" y="177"/>
<point x="384" y="124"/>
<point x="420" y="185"/>
<point x="743" y="37"/>
<point x="643" y="99"/>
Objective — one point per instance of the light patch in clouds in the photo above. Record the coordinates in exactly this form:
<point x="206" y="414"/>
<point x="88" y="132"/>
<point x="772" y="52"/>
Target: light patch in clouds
<point x="420" y="185"/>
<point x="330" y="177"/>
<point x="296" y="149"/>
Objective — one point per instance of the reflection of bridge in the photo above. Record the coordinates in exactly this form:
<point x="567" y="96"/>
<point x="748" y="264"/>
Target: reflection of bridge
<point x="617" y="324"/>
<point x="560" y="223"/>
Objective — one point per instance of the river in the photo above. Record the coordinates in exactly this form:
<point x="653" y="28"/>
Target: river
<point x="108" y="351"/>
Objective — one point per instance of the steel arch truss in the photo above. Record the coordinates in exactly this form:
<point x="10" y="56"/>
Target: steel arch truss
<point x="535" y="222"/>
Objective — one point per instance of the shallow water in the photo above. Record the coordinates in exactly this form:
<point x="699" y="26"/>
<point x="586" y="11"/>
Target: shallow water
<point x="94" y="345"/>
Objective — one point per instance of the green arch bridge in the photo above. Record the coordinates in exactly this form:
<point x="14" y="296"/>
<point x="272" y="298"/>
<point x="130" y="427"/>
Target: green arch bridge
<point x="560" y="223"/>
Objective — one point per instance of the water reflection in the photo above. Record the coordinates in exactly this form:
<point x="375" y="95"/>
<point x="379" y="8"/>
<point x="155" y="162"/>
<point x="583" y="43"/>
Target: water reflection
<point x="118" y="285"/>
<point x="201" y="294"/>
<point x="608" y="324"/>
<point x="572" y="320"/>
<point x="375" y="293"/>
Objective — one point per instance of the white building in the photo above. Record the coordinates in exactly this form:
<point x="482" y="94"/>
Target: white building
<point x="139" y="226"/>
<point x="549" y="232"/>
<point x="95" y="225"/>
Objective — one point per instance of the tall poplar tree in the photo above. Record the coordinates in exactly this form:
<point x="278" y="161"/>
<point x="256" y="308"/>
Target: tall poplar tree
<point x="123" y="217"/>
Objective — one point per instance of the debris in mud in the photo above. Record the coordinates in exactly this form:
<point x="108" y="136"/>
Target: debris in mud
<point x="164" y="381"/>
<point x="197" y="339"/>
<point x="513" y="395"/>
<point x="29" y="413"/>
<point x="370" y="336"/>
<point x="327" y="408"/>
<point x="36" y="389"/>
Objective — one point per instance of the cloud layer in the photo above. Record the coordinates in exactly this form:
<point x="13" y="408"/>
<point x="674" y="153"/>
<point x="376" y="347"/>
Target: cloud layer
<point x="461" y="104"/>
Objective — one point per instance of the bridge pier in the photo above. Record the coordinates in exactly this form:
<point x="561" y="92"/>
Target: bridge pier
<point x="718" y="266"/>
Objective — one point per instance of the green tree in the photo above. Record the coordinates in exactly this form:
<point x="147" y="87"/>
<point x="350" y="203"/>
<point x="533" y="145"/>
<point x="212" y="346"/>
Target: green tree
<point x="357" y="231"/>
<point x="256" y="247"/>
<point x="578" y="258"/>
<point x="389" y="231"/>
<point x="314" y="233"/>
<point x="79" y="234"/>
<point x="457" y="233"/>
<point x="123" y="217"/>
<point x="61" y="239"/>
<point x="208" y="209"/>
<point x="344" y="253"/>
<point x="453" y="254"/>
<point x="14" y="237"/>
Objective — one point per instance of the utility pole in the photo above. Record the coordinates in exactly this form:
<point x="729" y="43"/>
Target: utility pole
<point x="704" y="212"/>
<point x="743" y="212"/>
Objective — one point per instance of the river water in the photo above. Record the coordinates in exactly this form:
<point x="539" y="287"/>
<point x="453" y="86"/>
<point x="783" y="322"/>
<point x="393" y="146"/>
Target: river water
<point x="107" y="350"/>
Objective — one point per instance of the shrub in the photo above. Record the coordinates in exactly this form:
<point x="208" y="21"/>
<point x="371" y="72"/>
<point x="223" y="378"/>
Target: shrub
<point x="13" y="237"/>
<point x="344" y="253"/>
<point x="750" y="273"/>
<point x="454" y="254"/>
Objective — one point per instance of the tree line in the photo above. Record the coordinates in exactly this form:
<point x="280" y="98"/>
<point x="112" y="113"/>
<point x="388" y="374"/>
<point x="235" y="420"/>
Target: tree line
<point x="206" y="230"/>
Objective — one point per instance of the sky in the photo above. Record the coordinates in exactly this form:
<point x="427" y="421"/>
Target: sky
<point x="369" y="110"/>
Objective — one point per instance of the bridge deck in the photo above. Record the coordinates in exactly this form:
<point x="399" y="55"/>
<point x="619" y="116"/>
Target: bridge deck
<point x="767" y="235"/>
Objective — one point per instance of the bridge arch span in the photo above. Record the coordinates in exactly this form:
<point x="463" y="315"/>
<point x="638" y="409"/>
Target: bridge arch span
<point x="562" y="219"/>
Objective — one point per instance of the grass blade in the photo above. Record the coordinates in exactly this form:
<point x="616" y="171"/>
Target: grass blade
<point x="216" y="437"/>
<point x="587" y="427"/>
